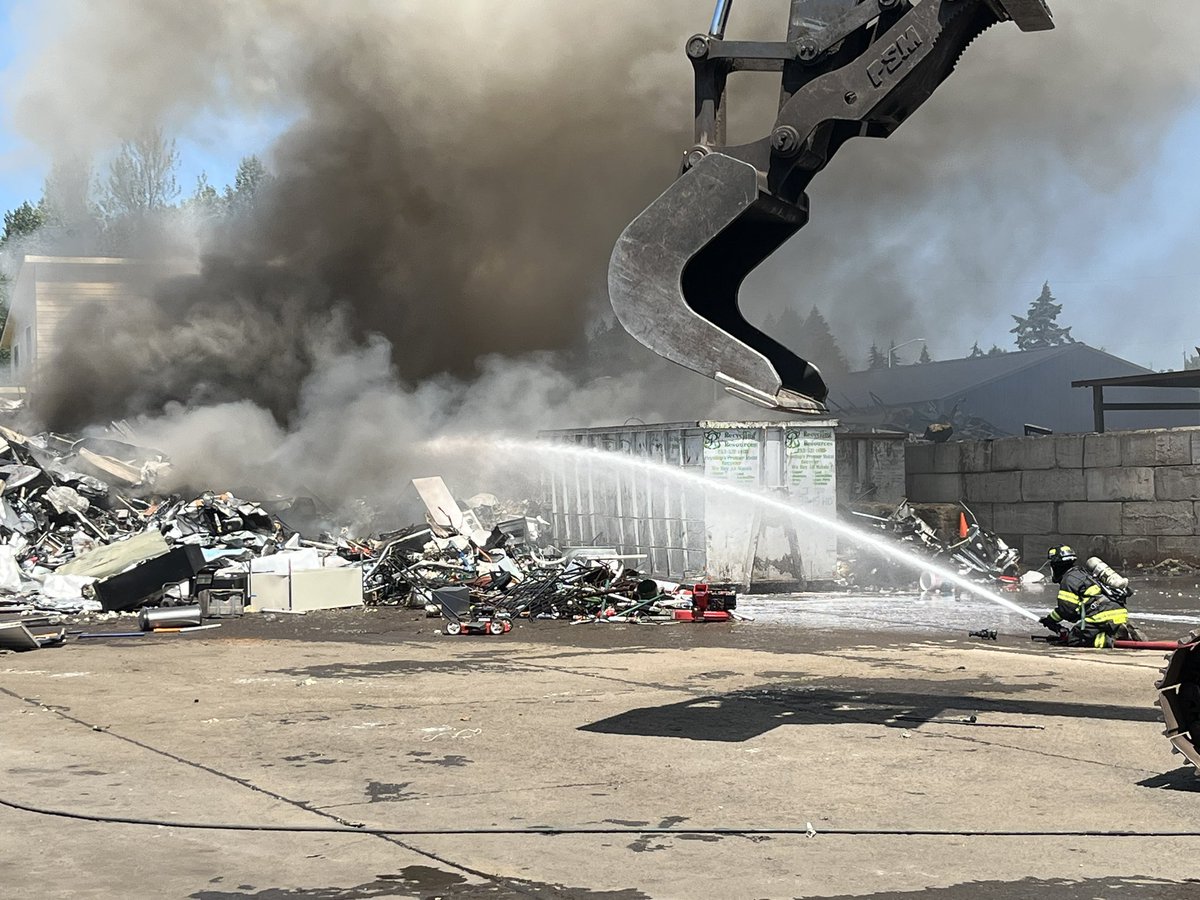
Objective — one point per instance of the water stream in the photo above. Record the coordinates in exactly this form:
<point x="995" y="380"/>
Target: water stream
<point x="534" y="450"/>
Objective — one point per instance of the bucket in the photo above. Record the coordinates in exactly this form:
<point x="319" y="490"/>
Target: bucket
<point x="930" y="581"/>
<point x="170" y="617"/>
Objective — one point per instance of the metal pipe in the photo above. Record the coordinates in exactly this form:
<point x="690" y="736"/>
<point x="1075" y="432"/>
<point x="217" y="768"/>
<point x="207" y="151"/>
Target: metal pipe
<point x="720" y="19"/>
<point x="170" y="617"/>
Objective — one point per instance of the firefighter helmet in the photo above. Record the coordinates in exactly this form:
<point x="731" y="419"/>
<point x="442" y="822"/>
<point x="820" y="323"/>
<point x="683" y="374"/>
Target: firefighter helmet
<point x="1061" y="554"/>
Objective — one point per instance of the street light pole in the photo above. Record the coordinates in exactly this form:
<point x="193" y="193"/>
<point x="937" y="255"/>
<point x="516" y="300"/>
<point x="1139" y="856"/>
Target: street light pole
<point x="892" y="351"/>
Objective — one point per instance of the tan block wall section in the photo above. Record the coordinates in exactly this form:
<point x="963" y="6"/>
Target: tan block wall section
<point x="1132" y="497"/>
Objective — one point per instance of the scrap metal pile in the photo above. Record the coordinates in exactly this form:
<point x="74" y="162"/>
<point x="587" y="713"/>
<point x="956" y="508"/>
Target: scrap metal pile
<point x="514" y="570"/>
<point x="975" y="552"/>
<point x="82" y="529"/>
<point x="933" y="420"/>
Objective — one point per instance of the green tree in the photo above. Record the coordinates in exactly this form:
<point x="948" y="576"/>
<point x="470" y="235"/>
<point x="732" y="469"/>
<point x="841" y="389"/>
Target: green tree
<point x="1040" y="327"/>
<point x="875" y="358"/>
<point x="821" y="346"/>
<point x="996" y="351"/>
<point x="810" y="337"/>
<point x="248" y="183"/>
<point x="787" y="327"/>
<point x="23" y="221"/>
<point x="975" y="351"/>
<point x="924" y="357"/>
<point x="141" y="180"/>
<point x="1191" y="361"/>
<point x="205" y="202"/>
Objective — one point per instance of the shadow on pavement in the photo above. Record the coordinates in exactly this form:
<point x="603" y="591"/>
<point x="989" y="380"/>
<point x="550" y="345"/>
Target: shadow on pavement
<point x="493" y="662"/>
<point x="1135" y="888"/>
<point x="423" y="882"/>
<point x="1182" y="779"/>
<point x="745" y="714"/>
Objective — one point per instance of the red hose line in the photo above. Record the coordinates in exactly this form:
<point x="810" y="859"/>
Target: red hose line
<point x="1148" y="645"/>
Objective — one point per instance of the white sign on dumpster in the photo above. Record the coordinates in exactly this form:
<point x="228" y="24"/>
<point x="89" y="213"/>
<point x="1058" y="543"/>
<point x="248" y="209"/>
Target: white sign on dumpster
<point x="733" y="455"/>
<point x="811" y="467"/>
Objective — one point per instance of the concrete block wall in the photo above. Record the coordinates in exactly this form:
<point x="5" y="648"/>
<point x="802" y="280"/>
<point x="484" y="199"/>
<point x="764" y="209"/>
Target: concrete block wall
<point x="1132" y="497"/>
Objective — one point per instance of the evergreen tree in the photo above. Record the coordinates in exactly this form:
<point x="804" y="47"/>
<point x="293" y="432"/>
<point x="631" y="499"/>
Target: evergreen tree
<point x="809" y="337"/>
<point x="924" y="357"/>
<point x="996" y="351"/>
<point x="205" y="202"/>
<point x="22" y="221"/>
<point x="1190" y="361"/>
<point x="875" y="358"/>
<point x="975" y="351"/>
<point x="1040" y="327"/>
<point x="821" y="347"/>
<point x="249" y="181"/>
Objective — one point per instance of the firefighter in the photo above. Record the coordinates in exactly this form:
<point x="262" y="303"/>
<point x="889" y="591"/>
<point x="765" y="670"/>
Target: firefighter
<point x="1095" y="617"/>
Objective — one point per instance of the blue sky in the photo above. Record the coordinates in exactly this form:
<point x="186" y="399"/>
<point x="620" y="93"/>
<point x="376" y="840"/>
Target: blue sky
<point x="23" y="168"/>
<point x="224" y="142"/>
<point x="1138" y="299"/>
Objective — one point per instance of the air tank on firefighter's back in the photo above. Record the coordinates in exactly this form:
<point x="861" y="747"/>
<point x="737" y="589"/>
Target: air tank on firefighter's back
<point x="1106" y="574"/>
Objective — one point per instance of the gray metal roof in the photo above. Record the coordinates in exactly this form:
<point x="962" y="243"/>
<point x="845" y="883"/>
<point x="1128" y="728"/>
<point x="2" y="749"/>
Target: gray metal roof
<point x="912" y="384"/>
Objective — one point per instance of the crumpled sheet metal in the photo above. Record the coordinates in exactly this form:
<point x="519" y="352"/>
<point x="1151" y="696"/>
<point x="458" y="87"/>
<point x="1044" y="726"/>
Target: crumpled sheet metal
<point x="515" y="570"/>
<point x="113" y="558"/>
<point x="65" y="528"/>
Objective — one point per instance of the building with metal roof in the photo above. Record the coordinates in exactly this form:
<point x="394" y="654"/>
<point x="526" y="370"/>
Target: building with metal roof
<point x="999" y="395"/>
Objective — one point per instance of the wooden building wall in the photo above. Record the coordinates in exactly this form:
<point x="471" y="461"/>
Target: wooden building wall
<point x="49" y="290"/>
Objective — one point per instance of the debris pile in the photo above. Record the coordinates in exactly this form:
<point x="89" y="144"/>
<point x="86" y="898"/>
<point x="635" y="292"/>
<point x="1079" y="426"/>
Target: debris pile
<point x="82" y="530"/>
<point x="974" y="552"/>
<point x="935" y="421"/>
<point x="473" y="577"/>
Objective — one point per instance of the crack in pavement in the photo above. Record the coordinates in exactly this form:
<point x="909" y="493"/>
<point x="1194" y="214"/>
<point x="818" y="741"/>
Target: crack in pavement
<point x="63" y="713"/>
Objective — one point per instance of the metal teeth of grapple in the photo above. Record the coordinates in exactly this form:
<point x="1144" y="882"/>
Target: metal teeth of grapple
<point x="1030" y="15"/>
<point x="1179" y="698"/>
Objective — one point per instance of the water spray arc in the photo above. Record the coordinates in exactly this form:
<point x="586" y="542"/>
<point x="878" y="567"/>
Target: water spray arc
<point x="605" y="459"/>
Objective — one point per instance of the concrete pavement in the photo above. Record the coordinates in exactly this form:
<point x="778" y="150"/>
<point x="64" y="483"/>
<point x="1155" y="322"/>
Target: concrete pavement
<point x="368" y="718"/>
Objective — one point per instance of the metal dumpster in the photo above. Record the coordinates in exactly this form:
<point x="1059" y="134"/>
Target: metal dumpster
<point x="686" y="532"/>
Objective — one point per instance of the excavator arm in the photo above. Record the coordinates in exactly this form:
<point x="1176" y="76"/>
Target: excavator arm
<point x="848" y="68"/>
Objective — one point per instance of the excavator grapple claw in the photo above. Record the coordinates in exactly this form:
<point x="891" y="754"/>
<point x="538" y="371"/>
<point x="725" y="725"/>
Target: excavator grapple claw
<point x="674" y="278"/>
<point x="848" y="68"/>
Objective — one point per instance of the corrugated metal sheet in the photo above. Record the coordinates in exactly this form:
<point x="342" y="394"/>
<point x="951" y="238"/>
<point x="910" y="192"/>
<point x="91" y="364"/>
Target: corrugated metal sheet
<point x="685" y="532"/>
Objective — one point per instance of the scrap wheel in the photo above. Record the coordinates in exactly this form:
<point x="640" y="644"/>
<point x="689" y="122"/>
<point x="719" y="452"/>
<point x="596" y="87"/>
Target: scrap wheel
<point x="453" y="628"/>
<point x="1179" y="698"/>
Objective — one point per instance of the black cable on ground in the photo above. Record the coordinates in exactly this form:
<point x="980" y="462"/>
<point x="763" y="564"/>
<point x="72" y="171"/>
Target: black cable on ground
<point x="579" y="829"/>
